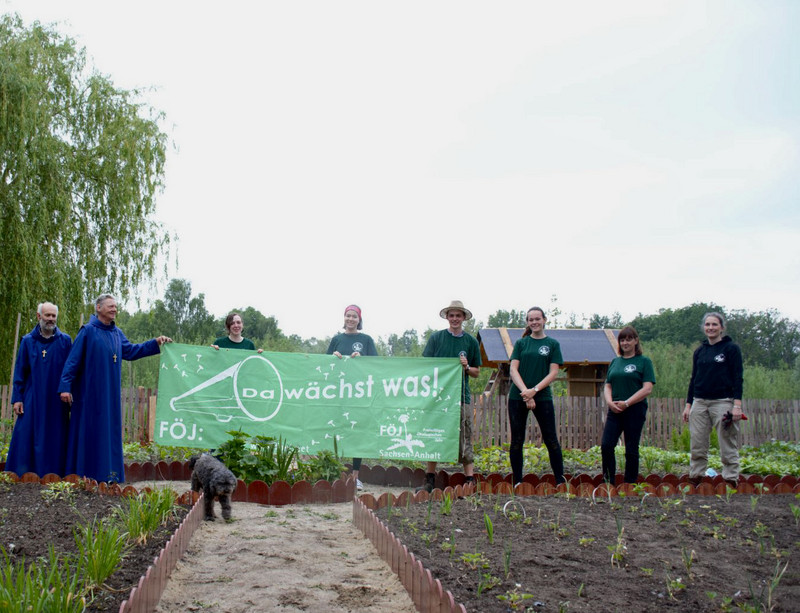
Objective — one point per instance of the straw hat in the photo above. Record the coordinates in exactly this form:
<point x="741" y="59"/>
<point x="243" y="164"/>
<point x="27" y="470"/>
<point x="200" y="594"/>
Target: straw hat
<point x="455" y="305"/>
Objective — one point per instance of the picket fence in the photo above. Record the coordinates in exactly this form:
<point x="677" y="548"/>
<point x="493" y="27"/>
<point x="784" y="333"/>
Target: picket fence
<point x="580" y="420"/>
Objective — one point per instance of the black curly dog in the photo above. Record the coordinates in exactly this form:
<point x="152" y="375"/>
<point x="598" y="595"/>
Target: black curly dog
<point x="214" y="479"/>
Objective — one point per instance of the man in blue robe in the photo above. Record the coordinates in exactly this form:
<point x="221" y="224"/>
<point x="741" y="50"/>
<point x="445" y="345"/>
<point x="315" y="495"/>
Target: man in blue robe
<point x="39" y="441"/>
<point x="91" y="383"/>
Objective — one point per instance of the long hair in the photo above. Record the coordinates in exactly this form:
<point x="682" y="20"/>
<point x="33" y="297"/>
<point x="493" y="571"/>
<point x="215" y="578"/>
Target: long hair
<point x="527" y="331"/>
<point x="629" y="332"/>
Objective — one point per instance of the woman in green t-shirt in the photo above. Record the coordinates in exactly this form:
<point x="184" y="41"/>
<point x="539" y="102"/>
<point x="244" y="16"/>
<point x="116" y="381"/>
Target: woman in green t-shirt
<point x="234" y="340"/>
<point x="629" y="382"/>
<point x="534" y="366"/>
<point x="352" y="343"/>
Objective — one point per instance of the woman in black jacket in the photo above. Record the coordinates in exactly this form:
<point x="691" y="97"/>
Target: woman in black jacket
<point x="715" y="400"/>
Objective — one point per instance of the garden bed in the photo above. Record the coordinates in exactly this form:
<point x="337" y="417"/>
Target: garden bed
<point x="699" y="553"/>
<point x="29" y="524"/>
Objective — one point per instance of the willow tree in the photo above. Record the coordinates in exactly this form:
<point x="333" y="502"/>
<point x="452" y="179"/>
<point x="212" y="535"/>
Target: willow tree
<point x="81" y="163"/>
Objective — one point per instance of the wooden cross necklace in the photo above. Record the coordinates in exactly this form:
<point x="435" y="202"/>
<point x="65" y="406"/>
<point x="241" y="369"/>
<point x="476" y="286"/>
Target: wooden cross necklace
<point x="111" y="344"/>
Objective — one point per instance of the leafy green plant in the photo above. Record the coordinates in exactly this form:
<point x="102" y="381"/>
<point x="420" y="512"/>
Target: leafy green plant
<point x="140" y="516"/>
<point x="51" y="585"/>
<point x="674" y="586"/>
<point x="63" y="490"/>
<point x="449" y="545"/>
<point x="101" y="548"/>
<point x="487" y="521"/>
<point x="487" y="582"/>
<point x="507" y="557"/>
<point x="447" y="505"/>
<point x="795" y="513"/>
<point x="515" y="599"/>
<point x="474" y="561"/>
<point x="619" y="548"/>
<point x="688" y="560"/>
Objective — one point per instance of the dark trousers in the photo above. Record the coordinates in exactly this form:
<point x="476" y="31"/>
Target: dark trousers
<point x="356" y="463"/>
<point x="545" y="414"/>
<point x="630" y="423"/>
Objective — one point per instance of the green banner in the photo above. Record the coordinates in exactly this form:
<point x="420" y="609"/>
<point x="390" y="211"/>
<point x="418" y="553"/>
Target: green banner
<point x="375" y="407"/>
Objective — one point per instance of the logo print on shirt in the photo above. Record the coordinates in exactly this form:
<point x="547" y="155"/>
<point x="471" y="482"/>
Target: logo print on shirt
<point x="544" y="350"/>
<point x="630" y="368"/>
<point x="357" y="347"/>
<point x="719" y="358"/>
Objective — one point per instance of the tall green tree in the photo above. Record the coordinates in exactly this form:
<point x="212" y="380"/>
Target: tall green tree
<point x="597" y="321"/>
<point x="506" y="319"/>
<point x="81" y="163"/>
<point x="766" y="338"/>
<point x="182" y="316"/>
<point x="674" y="326"/>
<point x="257" y="327"/>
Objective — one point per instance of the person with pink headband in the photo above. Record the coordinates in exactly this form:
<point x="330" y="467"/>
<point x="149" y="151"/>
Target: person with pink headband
<point x="352" y="343"/>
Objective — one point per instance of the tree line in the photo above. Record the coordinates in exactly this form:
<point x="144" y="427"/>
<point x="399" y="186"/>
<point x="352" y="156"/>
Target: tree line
<point x="770" y="343"/>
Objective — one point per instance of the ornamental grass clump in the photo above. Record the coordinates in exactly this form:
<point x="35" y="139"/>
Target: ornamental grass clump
<point x="140" y="516"/>
<point x="51" y="585"/>
<point x="101" y="549"/>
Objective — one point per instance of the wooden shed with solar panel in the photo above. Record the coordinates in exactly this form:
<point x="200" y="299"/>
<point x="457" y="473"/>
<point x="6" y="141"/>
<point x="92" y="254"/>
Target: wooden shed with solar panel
<point x="586" y="353"/>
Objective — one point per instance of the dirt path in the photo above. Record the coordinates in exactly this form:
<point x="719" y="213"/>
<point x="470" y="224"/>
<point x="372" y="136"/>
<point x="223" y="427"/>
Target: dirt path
<point x="293" y="558"/>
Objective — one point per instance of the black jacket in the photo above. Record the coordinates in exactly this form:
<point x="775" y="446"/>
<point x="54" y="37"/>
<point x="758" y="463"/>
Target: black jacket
<point x="716" y="371"/>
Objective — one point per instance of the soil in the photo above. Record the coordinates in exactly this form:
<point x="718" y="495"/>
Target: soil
<point x="701" y="553"/>
<point x="29" y="523"/>
<point x="293" y="558"/>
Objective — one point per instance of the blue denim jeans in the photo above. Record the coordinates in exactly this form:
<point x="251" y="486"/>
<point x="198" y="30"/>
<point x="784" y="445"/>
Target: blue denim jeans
<point x="545" y="415"/>
<point x="630" y="423"/>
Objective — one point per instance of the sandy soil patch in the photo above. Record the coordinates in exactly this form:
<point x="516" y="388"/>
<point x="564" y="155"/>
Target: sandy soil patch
<point x="292" y="558"/>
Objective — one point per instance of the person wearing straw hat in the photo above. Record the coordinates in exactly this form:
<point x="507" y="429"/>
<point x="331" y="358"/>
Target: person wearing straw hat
<point x="353" y="343"/>
<point x="454" y="342"/>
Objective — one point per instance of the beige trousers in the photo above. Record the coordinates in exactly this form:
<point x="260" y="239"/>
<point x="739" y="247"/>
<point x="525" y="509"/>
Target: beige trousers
<point x="707" y="414"/>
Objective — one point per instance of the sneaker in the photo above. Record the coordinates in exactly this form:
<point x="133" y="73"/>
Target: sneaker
<point x="359" y="485"/>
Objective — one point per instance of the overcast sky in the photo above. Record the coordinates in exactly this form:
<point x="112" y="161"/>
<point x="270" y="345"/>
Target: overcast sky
<point x="623" y="156"/>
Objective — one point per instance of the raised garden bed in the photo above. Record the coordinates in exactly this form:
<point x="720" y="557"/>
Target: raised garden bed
<point x="678" y="548"/>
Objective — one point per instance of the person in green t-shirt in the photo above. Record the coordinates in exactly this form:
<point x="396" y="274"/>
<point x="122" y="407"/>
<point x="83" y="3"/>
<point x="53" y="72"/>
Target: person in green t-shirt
<point x="629" y="382"/>
<point x="352" y="343"/>
<point x="535" y="361"/>
<point x="234" y="340"/>
<point x="453" y="342"/>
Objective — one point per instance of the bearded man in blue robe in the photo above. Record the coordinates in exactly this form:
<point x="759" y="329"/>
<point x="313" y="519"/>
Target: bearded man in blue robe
<point x="39" y="441"/>
<point x="91" y="383"/>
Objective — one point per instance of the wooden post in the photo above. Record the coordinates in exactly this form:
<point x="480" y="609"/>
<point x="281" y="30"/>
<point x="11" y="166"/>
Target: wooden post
<point x="151" y="418"/>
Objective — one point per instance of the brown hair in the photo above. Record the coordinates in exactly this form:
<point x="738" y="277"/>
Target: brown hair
<point x="629" y="332"/>
<point x="229" y="320"/>
<point x="527" y="331"/>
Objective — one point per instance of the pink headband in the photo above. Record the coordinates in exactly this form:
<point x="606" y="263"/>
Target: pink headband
<point x="353" y="307"/>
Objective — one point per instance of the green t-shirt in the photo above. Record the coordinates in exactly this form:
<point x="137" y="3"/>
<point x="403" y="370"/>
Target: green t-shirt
<point x="628" y="375"/>
<point x="535" y="356"/>
<point x="442" y="344"/>
<point x="227" y="343"/>
<point x="348" y="344"/>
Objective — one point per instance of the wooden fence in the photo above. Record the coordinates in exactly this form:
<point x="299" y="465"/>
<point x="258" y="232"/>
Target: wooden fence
<point x="580" y="420"/>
